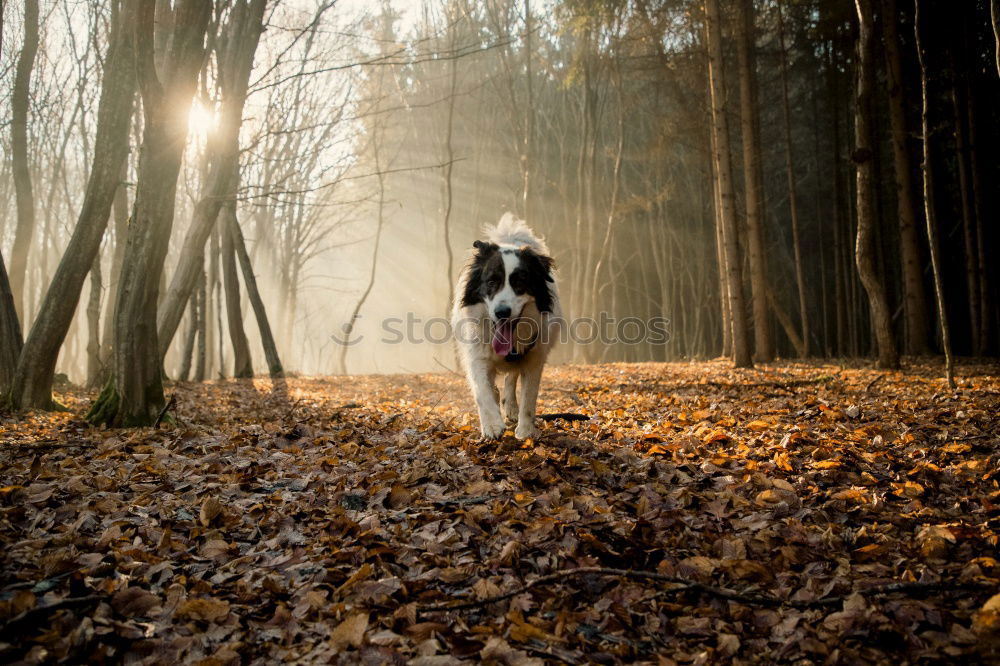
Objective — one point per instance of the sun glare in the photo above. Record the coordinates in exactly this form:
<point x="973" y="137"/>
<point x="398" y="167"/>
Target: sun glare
<point x="201" y="120"/>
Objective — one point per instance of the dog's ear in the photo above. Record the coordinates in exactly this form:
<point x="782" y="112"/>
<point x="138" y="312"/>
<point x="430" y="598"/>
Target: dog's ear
<point x="540" y="274"/>
<point x="485" y="248"/>
<point x="538" y="261"/>
<point x="473" y="285"/>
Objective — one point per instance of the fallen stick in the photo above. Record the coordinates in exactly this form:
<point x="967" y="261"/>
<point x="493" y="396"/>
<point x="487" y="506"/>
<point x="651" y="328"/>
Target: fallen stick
<point x="869" y="385"/>
<point x="163" y="412"/>
<point x="34" y="614"/>
<point x="687" y="585"/>
<point x="569" y="416"/>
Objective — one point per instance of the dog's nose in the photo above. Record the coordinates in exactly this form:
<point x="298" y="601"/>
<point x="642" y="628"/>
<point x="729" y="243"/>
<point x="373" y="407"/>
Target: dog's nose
<point x="502" y="312"/>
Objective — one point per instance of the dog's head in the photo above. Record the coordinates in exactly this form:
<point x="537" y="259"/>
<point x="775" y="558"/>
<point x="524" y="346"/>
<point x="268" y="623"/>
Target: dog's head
<point x="506" y="280"/>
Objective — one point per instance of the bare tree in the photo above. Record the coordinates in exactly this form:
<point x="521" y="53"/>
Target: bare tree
<point x="864" y="252"/>
<point x="119" y="228"/>
<point x="745" y="30"/>
<point x="94" y="323"/>
<point x="235" y="49"/>
<point x="201" y="362"/>
<point x="969" y="236"/>
<point x="914" y="300"/>
<point x="929" y="213"/>
<point x="380" y="223"/>
<point x="979" y="209"/>
<point x="529" y="117"/>
<point x="32" y="386"/>
<point x="720" y="127"/>
<point x="19" y="156"/>
<point x="449" y="166"/>
<point x="274" y="366"/>
<point x="242" y="362"/>
<point x="790" y="172"/>
<point x="187" y="354"/>
<point x="10" y="333"/>
<point x="995" y="17"/>
<point x="134" y="395"/>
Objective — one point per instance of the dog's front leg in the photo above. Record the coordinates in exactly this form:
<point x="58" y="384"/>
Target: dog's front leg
<point x="484" y="388"/>
<point x="531" y="377"/>
<point x="510" y="397"/>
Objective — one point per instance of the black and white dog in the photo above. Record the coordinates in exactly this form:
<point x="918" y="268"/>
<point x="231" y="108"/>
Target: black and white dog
<point x="505" y="319"/>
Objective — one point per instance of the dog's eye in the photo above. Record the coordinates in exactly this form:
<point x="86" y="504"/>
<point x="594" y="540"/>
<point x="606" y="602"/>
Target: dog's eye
<point x="518" y="283"/>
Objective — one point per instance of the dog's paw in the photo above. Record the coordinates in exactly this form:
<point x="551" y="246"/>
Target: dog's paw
<point x="526" y="431"/>
<point x="510" y="413"/>
<point x="492" y="430"/>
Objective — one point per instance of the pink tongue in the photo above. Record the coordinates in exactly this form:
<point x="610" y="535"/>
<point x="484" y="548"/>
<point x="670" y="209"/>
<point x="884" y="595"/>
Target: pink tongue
<point x="503" y="337"/>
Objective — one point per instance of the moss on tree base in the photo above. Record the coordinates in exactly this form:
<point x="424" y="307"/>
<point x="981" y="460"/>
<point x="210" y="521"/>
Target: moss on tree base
<point x="105" y="408"/>
<point x="107" y="411"/>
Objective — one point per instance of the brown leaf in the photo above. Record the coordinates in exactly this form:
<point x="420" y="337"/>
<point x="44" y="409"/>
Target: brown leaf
<point x="211" y="509"/>
<point x="210" y="610"/>
<point x="484" y="588"/>
<point x="135" y="602"/>
<point x="500" y="651"/>
<point x="216" y="549"/>
<point x="986" y="621"/>
<point x="350" y="632"/>
<point x="399" y="496"/>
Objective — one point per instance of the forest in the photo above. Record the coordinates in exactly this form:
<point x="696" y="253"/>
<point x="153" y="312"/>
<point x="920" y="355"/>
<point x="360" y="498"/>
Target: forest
<point x="233" y="427"/>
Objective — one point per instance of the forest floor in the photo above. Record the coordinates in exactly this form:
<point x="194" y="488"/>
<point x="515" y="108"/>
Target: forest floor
<point x="798" y="512"/>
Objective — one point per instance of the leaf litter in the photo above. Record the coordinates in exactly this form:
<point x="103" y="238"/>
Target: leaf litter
<point x="701" y="515"/>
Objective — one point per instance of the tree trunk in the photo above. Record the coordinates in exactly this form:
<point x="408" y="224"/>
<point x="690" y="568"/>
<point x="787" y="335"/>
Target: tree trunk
<point x="215" y="343"/>
<point x="119" y="212"/>
<point x="763" y="345"/>
<point x="864" y="255"/>
<point x="840" y="287"/>
<point x="529" y="118"/>
<point x="914" y="298"/>
<point x="968" y="215"/>
<point x="20" y="98"/>
<point x="985" y="305"/>
<point x="94" y="324"/>
<point x="995" y="16"/>
<point x="616" y="172"/>
<point x="720" y="251"/>
<point x="785" y="321"/>
<point x="200" y="368"/>
<point x="32" y="385"/>
<point x="720" y="126"/>
<point x="929" y="213"/>
<point x="348" y="328"/>
<point x="274" y="367"/>
<point x="242" y="362"/>
<point x="134" y="395"/>
<point x="792" y="188"/>
<point x="189" y="339"/>
<point x="449" y="159"/>
<point x="10" y="334"/>
<point x="237" y="44"/>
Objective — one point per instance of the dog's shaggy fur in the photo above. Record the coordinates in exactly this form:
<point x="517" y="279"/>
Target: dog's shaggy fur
<point x="505" y="318"/>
